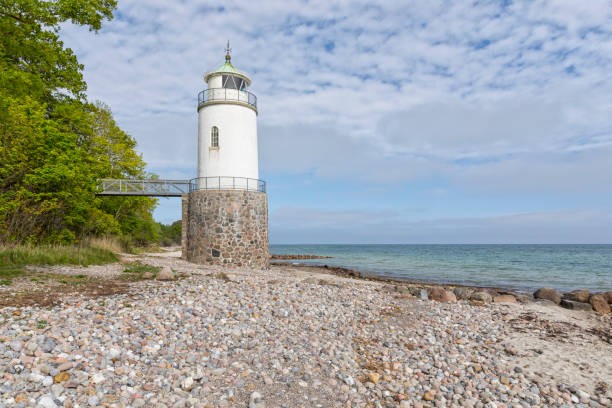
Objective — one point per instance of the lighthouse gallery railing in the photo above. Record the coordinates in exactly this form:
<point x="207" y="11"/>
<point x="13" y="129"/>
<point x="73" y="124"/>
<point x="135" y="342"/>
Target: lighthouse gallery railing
<point x="227" y="94"/>
<point x="227" y="183"/>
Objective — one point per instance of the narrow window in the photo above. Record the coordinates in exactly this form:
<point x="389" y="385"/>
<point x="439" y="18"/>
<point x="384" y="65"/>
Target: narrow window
<point x="214" y="137"/>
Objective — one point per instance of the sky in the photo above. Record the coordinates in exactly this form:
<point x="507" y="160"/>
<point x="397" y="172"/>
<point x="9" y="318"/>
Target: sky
<point x="398" y="122"/>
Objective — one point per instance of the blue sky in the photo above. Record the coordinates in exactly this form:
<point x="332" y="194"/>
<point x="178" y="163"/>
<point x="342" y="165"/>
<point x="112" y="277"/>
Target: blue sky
<point x="398" y="122"/>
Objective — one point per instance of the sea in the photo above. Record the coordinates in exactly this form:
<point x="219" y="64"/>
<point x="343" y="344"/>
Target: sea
<point x="523" y="268"/>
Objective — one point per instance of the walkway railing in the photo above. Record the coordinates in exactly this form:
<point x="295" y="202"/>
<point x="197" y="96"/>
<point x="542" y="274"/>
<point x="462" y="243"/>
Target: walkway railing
<point x="151" y="188"/>
<point x="227" y="94"/>
<point x="176" y="188"/>
<point x="227" y="183"/>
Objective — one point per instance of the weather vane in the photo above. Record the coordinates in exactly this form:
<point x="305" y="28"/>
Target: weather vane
<point x="227" y="52"/>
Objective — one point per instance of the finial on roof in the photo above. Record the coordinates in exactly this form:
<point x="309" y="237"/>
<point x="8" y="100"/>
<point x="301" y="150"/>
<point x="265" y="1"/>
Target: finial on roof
<point x="228" y="57"/>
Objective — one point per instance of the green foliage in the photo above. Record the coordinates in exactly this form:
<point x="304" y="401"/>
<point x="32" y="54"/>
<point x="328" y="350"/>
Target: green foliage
<point x="54" y="145"/>
<point x="170" y="234"/>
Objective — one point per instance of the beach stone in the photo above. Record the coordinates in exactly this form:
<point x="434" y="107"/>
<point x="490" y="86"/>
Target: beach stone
<point x="504" y="299"/>
<point x="166" y="274"/>
<point x="187" y="384"/>
<point x="61" y="377"/>
<point x="46" y="401"/>
<point x="580" y="295"/>
<point x="441" y="295"/>
<point x="548" y="294"/>
<point x="16" y="345"/>
<point x="599" y="303"/>
<point x="483" y="297"/>
<point x="423" y="294"/>
<point x="429" y="395"/>
<point x="256" y="400"/>
<point x="573" y="305"/>
<point x="97" y="378"/>
<point x="374" y="377"/>
<point x="608" y="296"/>
<point x="462" y="293"/>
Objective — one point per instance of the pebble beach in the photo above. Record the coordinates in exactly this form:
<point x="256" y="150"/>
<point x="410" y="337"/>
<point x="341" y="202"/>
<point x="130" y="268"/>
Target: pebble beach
<point x="289" y="337"/>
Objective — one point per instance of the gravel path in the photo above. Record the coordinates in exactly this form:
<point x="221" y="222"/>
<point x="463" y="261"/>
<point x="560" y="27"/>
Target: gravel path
<point x="289" y="338"/>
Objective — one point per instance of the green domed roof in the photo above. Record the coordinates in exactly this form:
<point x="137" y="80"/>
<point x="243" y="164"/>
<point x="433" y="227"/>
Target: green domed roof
<point x="227" y="68"/>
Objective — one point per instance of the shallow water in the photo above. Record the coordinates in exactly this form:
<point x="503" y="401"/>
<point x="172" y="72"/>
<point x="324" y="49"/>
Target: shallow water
<point x="520" y="267"/>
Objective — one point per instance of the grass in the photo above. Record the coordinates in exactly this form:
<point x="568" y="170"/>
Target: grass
<point x="14" y="259"/>
<point x="136" y="271"/>
<point x="109" y="243"/>
<point x="56" y="255"/>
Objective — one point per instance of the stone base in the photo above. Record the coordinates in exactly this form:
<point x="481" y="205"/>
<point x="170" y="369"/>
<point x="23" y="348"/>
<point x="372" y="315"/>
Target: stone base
<point x="226" y="227"/>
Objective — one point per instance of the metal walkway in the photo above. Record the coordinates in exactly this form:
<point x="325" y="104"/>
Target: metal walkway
<point x="150" y="188"/>
<point x="176" y="188"/>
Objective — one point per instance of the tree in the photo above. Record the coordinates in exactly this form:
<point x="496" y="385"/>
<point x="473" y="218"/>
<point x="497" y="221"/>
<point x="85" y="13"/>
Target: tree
<point x="170" y="234"/>
<point x="53" y="144"/>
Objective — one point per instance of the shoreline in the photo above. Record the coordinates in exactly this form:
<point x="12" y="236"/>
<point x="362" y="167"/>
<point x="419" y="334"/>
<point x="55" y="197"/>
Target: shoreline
<point x="355" y="274"/>
<point x="577" y="299"/>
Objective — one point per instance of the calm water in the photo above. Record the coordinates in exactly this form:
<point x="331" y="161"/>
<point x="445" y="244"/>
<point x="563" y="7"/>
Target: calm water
<point x="521" y="267"/>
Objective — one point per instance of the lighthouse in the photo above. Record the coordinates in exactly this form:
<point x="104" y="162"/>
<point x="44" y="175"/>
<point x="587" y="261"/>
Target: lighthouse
<point x="227" y="128"/>
<point x="225" y="214"/>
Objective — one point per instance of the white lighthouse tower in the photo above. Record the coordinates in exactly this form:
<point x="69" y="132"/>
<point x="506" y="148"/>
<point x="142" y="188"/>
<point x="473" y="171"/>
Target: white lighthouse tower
<point x="227" y="129"/>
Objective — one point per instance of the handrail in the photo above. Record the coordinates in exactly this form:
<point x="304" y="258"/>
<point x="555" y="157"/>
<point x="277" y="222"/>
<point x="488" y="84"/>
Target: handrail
<point x="227" y="94"/>
<point x="140" y="187"/>
<point x="227" y="183"/>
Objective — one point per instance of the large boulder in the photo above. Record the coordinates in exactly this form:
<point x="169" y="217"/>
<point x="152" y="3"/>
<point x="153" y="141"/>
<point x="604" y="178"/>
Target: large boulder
<point x="483" y="297"/>
<point x="548" y="294"/>
<point x="608" y="296"/>
<point x="573" y="305"/>
<point x="580" y="295"/>
<point x="600" y="303"/>
<point x="166" y="274"/>
<point x="504" y="299"/>
<point x="462" y="293"/>
<point x="441" y="295"/>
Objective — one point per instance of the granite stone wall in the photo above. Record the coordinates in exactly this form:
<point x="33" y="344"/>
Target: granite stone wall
<point x="226" y="227"/>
